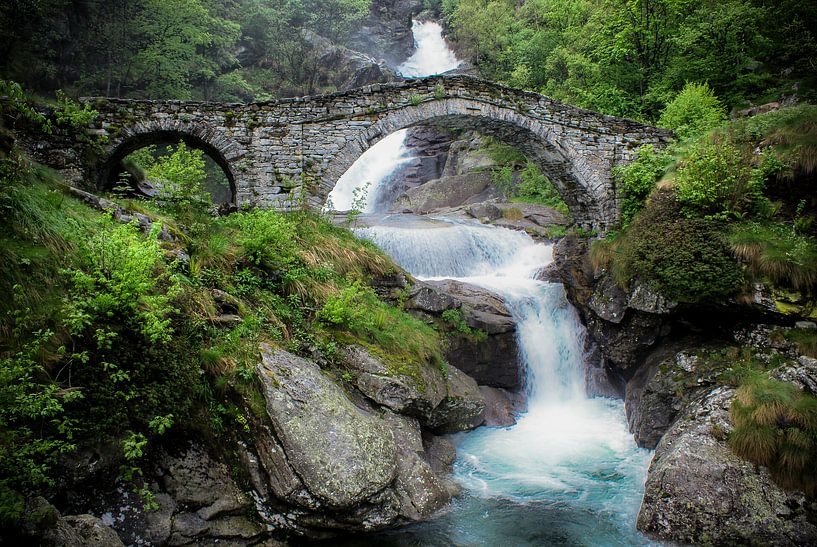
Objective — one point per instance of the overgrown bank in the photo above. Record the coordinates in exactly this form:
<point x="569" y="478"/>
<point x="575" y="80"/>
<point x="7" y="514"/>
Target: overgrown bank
<point x="137" y="324"/>
<point x="703" y="308"/>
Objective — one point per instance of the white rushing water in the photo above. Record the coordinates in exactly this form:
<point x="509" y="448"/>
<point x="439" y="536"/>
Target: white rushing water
<point x="570" y="463"/>
<point x="432" y="54"/>
<point x="371" y="174"/>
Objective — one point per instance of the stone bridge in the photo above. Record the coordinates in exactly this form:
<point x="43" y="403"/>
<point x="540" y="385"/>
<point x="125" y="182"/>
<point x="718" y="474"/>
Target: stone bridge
<point x="281" y="152"/>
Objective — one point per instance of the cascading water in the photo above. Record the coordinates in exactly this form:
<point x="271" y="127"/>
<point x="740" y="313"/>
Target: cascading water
<point x="432" y="55"/>
<point x="370" y="175"/>
<point x="568" y="472"/>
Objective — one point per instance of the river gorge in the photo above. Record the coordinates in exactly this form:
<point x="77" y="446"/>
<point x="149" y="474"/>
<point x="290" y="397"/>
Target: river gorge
<point x="568" y="472"/>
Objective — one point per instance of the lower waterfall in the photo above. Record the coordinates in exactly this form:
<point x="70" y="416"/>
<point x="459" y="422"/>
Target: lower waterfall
<point x="569" y="472"/>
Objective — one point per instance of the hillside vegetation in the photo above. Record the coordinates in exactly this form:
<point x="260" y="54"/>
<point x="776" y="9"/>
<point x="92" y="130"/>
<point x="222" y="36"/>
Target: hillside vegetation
<point x="147" y="318"/>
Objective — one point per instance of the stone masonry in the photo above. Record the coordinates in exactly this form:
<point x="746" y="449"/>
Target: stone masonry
<point x="286" y="152"/>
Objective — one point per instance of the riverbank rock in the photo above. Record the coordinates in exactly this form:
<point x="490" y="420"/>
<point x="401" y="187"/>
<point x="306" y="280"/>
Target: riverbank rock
<point x="463" y="406"/>
<point x="415" y="390"/>
<point x="501" y="406"/>
<point x="625" y="324"/>
<point x="337" y="460"/>
<point x="446" y="192"/>
<point x="490" y="358"/>
<point x="342" y="454"/>
<point x="662" y="387"/>
<point x="699" y="492"/>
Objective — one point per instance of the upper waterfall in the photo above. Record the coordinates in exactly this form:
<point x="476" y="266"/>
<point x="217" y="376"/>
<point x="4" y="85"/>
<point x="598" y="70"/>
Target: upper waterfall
<point x="432" y="56"/>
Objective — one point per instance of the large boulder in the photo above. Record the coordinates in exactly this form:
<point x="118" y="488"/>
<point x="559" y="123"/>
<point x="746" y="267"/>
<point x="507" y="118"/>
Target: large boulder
<point x="342" y="454"/>
<point x="491" y="358"/>
<point x="446" y="192"/>
<point x="414" y="389"/>
<point x="462" y="408"/>
<point x="698" y="491"/>
<point x="420" y="489"/>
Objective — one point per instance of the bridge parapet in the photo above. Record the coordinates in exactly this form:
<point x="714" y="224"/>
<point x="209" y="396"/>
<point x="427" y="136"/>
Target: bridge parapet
<point x="289" y="149"/>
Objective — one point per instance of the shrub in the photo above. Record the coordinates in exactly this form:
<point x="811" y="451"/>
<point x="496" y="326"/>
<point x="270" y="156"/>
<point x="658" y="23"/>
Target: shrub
<point x="693" y="111"/>
<point x="685" y="259"/>
<point x="182" y="175"/>
<point x="715" y="181"/>
<point x="637" y="180"/>
<point x="776" y="426"/>
<point x="71" y="114"/>
<point x="123" y="280"/>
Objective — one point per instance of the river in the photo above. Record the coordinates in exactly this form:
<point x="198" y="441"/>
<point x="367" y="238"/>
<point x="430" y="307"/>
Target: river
<point x="569" y="472"/>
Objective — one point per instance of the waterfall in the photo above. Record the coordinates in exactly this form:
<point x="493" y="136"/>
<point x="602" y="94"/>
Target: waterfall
<point x="570" y="463"/>
<point x="432" y="54"/>
<point x="569" y="471"/>
<point x="371" y="174"/>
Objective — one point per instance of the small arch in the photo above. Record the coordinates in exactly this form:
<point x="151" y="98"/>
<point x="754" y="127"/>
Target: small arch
<point x="109" y="167"/>
<point x="554" y="158"/>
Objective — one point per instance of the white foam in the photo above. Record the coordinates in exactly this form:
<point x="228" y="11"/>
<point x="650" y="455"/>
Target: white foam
<point x="432" y="54"/>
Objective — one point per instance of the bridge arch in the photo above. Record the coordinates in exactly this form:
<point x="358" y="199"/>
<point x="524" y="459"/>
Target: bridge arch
<point x="130" y="139"/>
<point x="559" y="159"/>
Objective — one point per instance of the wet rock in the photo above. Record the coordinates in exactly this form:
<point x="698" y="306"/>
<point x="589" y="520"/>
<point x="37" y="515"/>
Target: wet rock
<point x="194" y="479"/>
<point x="342" y="454"/>
<point x="409" y="389"/>
<point x="462" y="408"/>
<point x="485" y="211"/>
<point x="45" y="526"/>
<point x="450" y="191"/>
<point x="624" y="323"/>
<point x="658" y="392"/>
<point x="698" y="491"/>
<point x="159" y="523"/>
<point x="491" y="359"/>
<point x="420" y="490"/>
<point x="501" y="406"/>
<point x="91" y="531"/>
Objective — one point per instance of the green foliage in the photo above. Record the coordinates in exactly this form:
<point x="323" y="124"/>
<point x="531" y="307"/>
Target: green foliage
<point x="16" y="106"/>
<point x="521" y="180"/>
<point x="694" y="111"/>
<point x="776" y="426"/>
<point x="266" y="239"/>
<point x="455" y="319"/>
<point x="71" y="114"/>
<point x="535" y="187"/>
<point x="123" y="280"/>
<point x="414" y="100"/>
<point x="33" y="425"/>
<point x="637" y="180"/>
<point x="401" y="337"/>
<point x="685" y="259"/>
<point x="776" y="252"/>
<point x="632" y="58"/>
<point x="181" y="174"/>
<point x="713" y="179"/>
